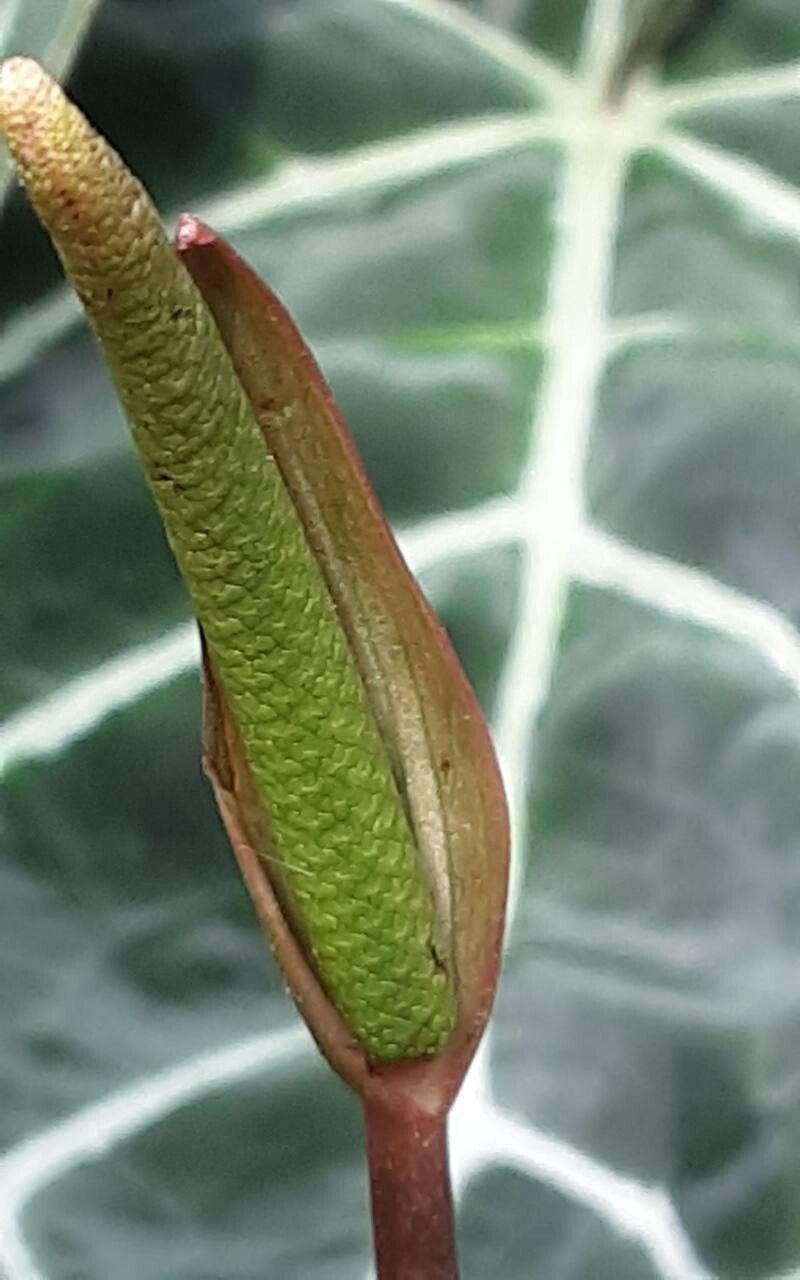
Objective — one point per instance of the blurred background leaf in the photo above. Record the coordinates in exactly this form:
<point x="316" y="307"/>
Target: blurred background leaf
<point x="50" y="31"/>
<point x="563" y="332"/>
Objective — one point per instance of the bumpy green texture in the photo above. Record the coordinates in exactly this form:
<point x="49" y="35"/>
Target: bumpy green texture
<point x="340" y="830"/>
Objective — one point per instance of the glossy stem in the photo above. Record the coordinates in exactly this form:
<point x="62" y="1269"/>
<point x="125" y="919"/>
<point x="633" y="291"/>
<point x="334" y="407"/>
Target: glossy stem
<point x="412" y="1203"/>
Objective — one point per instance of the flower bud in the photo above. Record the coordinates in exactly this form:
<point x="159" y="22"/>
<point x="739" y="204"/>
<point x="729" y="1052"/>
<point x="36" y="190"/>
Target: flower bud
<point x="347" y="753"/>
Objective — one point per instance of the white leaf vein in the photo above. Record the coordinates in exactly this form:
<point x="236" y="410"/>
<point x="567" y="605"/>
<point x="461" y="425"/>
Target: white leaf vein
<point x="546" y="515"/>
<point x="82" y="705"/>
<point x="526" y="64"/>
<point x="602" y="560"/>
<point x="484" y="1136"/>
<point x="91" y="1132"/>
<point x="78" y="707"/>
<point x="767" y="198"/>
<point x="302" y="185"/>
<point x="552" y="484"/>
<point x="306" y="184"/>
<point x="729" y="90"/>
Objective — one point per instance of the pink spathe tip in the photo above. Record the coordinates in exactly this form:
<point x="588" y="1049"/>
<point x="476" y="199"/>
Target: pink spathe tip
<point x="191" y="233"/>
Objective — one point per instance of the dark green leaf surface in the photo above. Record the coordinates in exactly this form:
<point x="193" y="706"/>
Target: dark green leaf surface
<point x="566" y="341"/>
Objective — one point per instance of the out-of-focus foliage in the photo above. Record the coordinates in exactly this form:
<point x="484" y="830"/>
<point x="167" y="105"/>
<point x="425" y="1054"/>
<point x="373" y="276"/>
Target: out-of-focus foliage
<point x="565" y="338"/>
<point x="49" y="30"/>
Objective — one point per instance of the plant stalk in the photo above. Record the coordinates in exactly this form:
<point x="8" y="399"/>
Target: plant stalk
<point x="412" y="1203"/>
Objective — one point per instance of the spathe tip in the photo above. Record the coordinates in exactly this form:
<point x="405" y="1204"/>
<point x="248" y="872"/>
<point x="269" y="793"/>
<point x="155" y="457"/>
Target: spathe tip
<point x="191" y="233"/>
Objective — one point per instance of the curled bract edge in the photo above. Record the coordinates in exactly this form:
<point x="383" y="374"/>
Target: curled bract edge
<point x="429" y="718"/>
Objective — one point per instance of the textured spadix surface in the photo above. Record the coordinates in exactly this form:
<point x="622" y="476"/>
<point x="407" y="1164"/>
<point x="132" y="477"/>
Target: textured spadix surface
<point x="493" y="273"/>
<point x="337" y="826"/>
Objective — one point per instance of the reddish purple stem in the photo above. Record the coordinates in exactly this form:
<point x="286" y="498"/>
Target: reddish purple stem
<point x="412" y="1204"/>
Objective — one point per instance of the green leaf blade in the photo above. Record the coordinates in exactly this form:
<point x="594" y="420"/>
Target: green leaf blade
<point x="641" y="1061"/>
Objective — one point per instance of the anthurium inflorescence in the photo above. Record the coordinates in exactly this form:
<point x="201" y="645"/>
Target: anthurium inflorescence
<point x="348" y="755"/>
